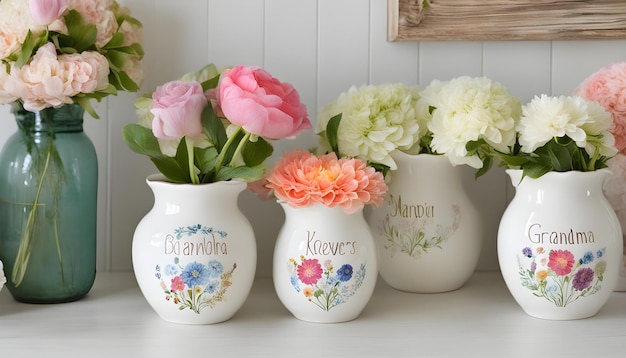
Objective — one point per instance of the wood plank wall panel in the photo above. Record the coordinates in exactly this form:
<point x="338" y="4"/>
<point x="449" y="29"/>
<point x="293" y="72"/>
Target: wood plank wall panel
<point x="322" y="47"/>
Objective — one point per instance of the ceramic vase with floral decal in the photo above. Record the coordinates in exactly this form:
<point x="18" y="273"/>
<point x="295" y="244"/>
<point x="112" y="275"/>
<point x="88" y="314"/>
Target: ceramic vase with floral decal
<point x="325" y="264"/>
<point x="428" y="232"/>
<point x="48" y="206"/>
<point x="560" y="244"/>
<point x="194" y="253"/>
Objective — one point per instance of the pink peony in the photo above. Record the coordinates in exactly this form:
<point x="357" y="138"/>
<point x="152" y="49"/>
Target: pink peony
<point x="88" y="71"/>
<point x="302" y="179"/>
<point x="608" y="87"/>
<point x="251" y="98"/>
<point x="51" y="81"/>
<point x="177" y="108"/>
<point x="42" y="83"/>
<point x="46" y="11"/>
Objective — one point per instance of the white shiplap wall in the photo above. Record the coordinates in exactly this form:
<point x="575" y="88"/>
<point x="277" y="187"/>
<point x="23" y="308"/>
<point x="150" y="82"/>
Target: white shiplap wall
<point x="322" y="47"/>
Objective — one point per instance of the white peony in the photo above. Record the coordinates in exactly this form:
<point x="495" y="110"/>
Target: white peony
<point x="376" y="120"/>
<point x="586" y="123"/>
<point x="468" y="109"/>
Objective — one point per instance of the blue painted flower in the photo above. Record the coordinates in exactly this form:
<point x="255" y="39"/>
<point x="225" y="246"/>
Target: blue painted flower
<point x="295" y="282"/>
<point x="587" y="258"/>
<point x="215" y="268"/>
<point x="195" y="274"/>
<point x="211" y="287"/>
<point x="527" y="252"/>
<point x="601" y="252"/>
<point x="170" y="270"/>
<point x="345" y="272"/>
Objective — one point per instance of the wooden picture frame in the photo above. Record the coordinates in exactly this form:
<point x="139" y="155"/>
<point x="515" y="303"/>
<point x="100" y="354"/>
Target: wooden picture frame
<point x="483" y="20"/>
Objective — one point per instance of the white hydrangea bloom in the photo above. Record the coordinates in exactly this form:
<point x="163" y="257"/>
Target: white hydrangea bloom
<point x="469" y="109"/>
<point x="376" y="120"/>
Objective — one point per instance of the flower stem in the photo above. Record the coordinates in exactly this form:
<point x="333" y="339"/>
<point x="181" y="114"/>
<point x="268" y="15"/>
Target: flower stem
<point x="222" y="156"/>
<point x="192" y="167"/>
<point x="27" y="242"/>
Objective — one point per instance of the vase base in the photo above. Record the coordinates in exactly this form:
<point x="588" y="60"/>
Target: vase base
<point x="43" y="301"/>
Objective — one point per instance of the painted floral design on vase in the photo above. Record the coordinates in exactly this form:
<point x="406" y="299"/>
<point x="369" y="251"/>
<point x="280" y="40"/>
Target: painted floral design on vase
<point x="194" y="253"/>
<point x="325" y="264"/>
<point x="560" y="244"/>
<point x="323" y="284"/>
<point x="196" y="285"/>
<point x="425" y="223"/>
<point x="559" y="277"/>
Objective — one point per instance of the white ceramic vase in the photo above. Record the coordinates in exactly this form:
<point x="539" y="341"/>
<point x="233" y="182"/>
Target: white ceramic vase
<point x="428" y="232"/>
<point x="194" y="253"/>
<point x="560" y="244"/>
<point x="325" y="264"/>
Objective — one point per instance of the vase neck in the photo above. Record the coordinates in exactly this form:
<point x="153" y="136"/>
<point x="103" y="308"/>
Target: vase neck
<point x="65" y="119"/>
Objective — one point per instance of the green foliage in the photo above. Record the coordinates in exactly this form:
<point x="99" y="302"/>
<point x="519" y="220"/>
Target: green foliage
<point x="239" y="156"/>
<point x="560" y="154"/>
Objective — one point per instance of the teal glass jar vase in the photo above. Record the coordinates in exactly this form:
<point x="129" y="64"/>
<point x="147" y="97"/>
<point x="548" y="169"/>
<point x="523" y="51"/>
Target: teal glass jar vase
<point x="48" y="206"/>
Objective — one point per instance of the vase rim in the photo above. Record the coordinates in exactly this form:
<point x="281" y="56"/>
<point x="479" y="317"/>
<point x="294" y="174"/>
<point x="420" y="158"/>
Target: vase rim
<point x="603" y="171"/>
<point x="160" y="178"/>
<point x="283" y="203"/>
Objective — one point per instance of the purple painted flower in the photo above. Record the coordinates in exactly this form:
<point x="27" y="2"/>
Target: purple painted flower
<point x="582" y="278"/>
<point x="533" y="266"/>
<point x="527" y="252"/>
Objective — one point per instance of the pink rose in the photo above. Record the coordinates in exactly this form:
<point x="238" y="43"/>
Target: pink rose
<point x="251" y="98"/>
<point x="45" y="12"/>
<point x="177" y="108"/>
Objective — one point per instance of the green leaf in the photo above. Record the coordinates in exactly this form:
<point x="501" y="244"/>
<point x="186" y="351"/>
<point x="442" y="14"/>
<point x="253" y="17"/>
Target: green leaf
<point x="31" y="42"/>
<point x="116" y="41"/>
<point x="81" y="35"/>
<point x="536" y="169"/>
<point x="141" y="140"/>
<point x="211" y="83"/>
<point x="473" y="146"/>
<point x="205" y="159"/>
<point x="86" y="104"/>
<point x="382" y="168"/>
<point x="255" y="153"/>
<point x="214" y="128"/>
<point x="246" y="173"/>
<point x="332" y="133"/>
<point x="487" y="163"/>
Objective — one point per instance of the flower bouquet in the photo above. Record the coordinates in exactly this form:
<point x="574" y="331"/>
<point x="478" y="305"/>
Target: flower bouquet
<point x="560" y="134"/>
<point x="67" y="51"/>
<point x="57" y="56"/>
<point x="457" y="118"/>
<point x="212" y="126"/>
